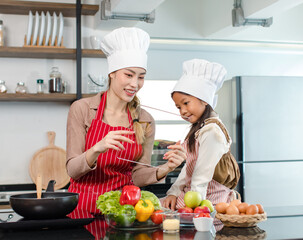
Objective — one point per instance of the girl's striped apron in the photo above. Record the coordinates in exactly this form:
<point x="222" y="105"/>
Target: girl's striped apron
<point x="110" y="174"/>
<point x="216" y="192"/>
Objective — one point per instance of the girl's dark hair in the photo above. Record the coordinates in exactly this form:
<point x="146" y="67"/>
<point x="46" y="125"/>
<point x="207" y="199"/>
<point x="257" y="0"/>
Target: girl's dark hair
<point x="195" y="127"/>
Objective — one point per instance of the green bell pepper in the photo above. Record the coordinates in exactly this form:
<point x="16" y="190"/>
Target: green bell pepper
<point x="126" y="216"/>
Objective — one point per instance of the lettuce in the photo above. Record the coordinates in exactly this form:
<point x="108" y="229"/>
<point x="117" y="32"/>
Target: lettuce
<point x="152" y="197"/>
<point x="109" y="202"/>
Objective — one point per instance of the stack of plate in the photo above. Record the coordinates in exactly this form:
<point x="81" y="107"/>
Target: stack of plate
<point x="45" y="30"/>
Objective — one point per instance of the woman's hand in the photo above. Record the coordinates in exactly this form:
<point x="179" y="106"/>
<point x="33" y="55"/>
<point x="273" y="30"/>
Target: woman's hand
<point x="175" y="157"/>
<point x="170" y="202"/>
<point x="111" y="141"/>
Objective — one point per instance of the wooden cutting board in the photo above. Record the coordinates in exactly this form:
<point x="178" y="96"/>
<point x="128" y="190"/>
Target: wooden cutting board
<point x="50" y="163"/>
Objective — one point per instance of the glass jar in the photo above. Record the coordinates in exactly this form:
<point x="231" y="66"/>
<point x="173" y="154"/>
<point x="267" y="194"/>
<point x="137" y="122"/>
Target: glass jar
<point x="3" y="88"/>
<point x="55" y="81"/>
<point x="21" y="88"/>
<point x="40" y="86"/>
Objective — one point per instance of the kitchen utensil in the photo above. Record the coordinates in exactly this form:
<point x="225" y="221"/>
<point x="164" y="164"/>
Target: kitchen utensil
<point x="161" y="110"/>
<point x="144" y="164"/>
<point x="50" y="163"/>
<point x="48" y="28"/>
<point x="41" y="30"/>
<point x="61" y="26"/>
<point x="51" y="205"/>
<point x="54" y="32"/>
<point x="36" y="29"/>
<point x="29" y="28"/>
<point x="39" y="186"/>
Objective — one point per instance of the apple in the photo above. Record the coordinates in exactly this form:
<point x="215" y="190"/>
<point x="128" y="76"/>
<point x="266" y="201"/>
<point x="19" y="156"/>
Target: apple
<point x="185" y="210"/>
<point x="208" y="204"/>
<point x="192" y="199"/>
<point x="203" y="209"/>
<point x="186" y="214"/>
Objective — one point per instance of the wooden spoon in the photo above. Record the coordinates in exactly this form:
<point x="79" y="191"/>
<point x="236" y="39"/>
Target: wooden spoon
<point x="39" y="186"/>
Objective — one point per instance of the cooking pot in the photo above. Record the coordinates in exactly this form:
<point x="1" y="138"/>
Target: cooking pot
<point x="51" y="205"/>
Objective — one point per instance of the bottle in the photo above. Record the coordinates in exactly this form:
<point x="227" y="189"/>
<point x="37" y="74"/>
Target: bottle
<point x="3" y="88"/>
<point x="1" y="34"/>
<point x="55" y="81"/>
<point x="40" y="86"/>
<point x="21" y="88"/>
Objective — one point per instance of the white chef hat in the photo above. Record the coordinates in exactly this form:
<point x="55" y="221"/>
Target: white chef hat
<point x="201" y="79"/>
<point x="126" y="47"/>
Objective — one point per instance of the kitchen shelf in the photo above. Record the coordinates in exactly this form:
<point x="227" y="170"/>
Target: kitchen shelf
<point x="23" y="8"/>
<point x="49" y="53"/>
<point x="44" y="97"/>
<point x="29" y="97"/>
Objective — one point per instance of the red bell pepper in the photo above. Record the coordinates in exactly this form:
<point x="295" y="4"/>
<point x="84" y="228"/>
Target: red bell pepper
<point x="130" y="195"/>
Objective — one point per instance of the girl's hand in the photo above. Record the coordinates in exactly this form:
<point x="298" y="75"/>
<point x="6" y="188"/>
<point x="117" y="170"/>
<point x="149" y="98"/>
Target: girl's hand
<point x="170" y="202"/>
<point x="176" y="156"/>
<point x="113" y="141"/>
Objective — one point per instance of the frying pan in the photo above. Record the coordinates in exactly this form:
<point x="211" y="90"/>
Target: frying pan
<point x="51" y="205"/>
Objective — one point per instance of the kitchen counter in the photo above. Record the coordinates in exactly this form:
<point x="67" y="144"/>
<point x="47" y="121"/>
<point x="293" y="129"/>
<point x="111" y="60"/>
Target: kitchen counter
<point x="276" y="227"/>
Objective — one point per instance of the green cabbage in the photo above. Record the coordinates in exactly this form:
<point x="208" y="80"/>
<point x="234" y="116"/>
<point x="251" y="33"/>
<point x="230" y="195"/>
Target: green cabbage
<point x="152" y="197"/>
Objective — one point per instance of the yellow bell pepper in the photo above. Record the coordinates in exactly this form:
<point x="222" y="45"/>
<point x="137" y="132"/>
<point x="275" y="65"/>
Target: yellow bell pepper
<point x="142" y="236"/>
<point x="144" y="209"/>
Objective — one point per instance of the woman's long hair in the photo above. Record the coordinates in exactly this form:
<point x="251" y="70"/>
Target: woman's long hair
<point x="134" y="109"/>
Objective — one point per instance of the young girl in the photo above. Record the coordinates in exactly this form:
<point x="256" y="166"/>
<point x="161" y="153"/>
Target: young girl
<point x="210" y="168"/>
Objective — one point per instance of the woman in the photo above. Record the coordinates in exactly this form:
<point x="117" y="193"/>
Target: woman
<point x="111" y="126"/>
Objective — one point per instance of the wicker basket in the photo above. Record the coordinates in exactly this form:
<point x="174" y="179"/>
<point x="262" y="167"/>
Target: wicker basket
<point x="241" y="220"/>
<point x="232" y="233"/>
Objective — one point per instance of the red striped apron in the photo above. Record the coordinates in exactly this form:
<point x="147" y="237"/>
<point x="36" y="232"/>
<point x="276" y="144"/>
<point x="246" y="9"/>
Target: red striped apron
<point x="110" y="174"/>
<point x="216" y="192"/>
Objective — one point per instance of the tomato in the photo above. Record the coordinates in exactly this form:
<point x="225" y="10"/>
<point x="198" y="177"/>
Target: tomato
<point x="157" y="235"/>
<point x="156" y="217"/>
<point x="203" y="215"/>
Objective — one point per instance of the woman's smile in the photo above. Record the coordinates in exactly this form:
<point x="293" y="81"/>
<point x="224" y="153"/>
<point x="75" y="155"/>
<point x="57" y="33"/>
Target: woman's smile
<point x="129" y="92"/>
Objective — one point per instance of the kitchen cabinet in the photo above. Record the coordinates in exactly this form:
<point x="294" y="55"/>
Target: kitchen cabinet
<point x="68" y="10"/>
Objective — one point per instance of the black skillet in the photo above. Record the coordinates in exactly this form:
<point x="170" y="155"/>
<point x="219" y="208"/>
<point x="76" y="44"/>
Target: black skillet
<point x="51" y="205"/>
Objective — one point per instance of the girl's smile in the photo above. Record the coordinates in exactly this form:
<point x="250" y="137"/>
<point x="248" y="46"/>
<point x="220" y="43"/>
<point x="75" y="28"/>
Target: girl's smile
<point x="190" y="108"/>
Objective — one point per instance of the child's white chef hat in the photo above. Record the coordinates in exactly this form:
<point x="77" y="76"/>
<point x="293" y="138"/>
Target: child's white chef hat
<point x="201" y="79"/>
<point x="126" y="47"/>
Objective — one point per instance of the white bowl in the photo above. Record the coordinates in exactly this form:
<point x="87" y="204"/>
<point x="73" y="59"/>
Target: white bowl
<point x="203" y="224"/>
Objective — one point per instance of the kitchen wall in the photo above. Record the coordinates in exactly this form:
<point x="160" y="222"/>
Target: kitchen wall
<point x="24" y="124"/>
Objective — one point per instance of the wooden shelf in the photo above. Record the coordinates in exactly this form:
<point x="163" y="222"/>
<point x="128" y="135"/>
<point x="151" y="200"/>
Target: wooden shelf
<point x="29" y="97"/>
<point x="23" y="8"/>
<point x="44" y="97"/>
<point x="49" y="53"/>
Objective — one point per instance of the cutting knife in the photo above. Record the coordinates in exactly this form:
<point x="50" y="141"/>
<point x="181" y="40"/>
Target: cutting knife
<point x="144" y="164"/>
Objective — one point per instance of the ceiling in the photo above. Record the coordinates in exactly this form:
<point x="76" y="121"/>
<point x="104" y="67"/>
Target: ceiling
<point x="211" y="19"/>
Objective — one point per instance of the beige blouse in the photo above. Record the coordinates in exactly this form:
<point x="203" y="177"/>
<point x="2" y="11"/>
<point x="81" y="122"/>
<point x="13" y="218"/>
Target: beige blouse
<point x="80" y="117"/>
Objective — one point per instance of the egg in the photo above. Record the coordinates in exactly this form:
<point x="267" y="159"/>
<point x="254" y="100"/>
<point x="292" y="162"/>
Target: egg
<point x="242" y="207"/>
<point x="232" y="210"/>
<point x="252" y="210"/>
<point x="221" y="207"/>
<point x="260" y="208"/>
<point x="235" y="202"/>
